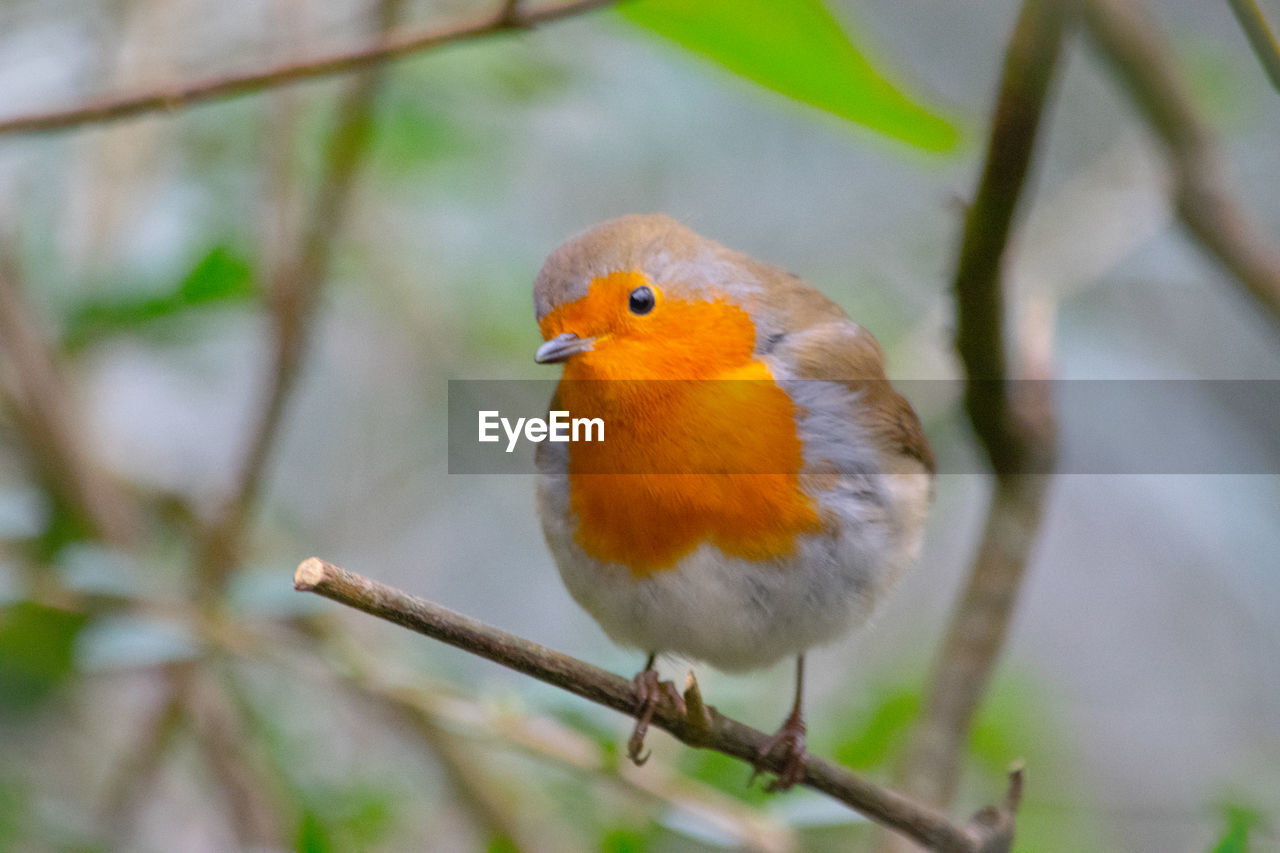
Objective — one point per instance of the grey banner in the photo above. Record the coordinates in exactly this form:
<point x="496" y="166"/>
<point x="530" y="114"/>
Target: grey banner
<point x="1104" y="426"/>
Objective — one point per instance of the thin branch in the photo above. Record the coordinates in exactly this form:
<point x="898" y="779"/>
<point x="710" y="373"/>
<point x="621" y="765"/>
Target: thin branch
<point x="544" y="739"/>
<point x="1128" y="39"/>
<point x="712" y="731"/>
<point x="221" y="88"/>
<point x="1261" y="38"/>
<point x="295" y="293"/>
<point x="253" y="790"/>
<point x="42" y="408"/>
<point x="1030" y="64"/>
<point x="1012" y="420"/>
<point x="468" y="781"/>
<point x="510" y="11"/>
<point x="138" y="767"/>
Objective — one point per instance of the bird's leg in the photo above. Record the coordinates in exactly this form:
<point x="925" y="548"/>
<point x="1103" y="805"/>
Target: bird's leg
<point x="650" y="691"/>
<point x="789" y="739"/>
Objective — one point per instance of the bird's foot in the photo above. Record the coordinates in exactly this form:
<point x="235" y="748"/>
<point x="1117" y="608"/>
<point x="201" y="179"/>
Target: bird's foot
<point x="650" y="692"/>
<point x="788" y="746"/>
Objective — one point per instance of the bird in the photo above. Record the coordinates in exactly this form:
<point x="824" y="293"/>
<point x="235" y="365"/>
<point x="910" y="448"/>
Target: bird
<point x="760" y="486"/>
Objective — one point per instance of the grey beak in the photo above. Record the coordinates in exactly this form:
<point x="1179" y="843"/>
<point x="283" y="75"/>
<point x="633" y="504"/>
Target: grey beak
<point x="561" y="347"/>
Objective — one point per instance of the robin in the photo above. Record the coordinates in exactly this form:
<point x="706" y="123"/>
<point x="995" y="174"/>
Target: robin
<point x="760" y="485"/>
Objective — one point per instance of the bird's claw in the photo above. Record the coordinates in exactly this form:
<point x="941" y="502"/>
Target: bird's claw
<point x="788" y="744"/>
<point x="650" y="691"/>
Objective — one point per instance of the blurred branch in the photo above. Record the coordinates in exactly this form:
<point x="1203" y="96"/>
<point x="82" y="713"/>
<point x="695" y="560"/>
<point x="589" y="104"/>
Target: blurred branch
<point x="471" y="785"/>
<point x="1012" y="420"/>
<point x="510" y="12"/>
<point x="138" y="766"/>
<point x="295" y="291"/>
<point x="435" y="712"/>
<point x="1261" y="39"/>
<point x="256" y="800"/>
<point x="42" y="409"/>
<point x="1013" y="443"/>
<point x="990" y="830"/>
<point x="467" y="781"/>
<point x="220" y="88"/>
<point x="1127" y="37"/>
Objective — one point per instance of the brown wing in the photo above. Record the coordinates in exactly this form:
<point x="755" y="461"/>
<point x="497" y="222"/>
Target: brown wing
<point x="842" y="351"/>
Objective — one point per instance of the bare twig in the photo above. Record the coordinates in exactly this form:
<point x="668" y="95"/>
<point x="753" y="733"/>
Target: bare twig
<point x="467" y="779"/>
<point x="712" y="731"/>
<point x="542" y="738"/>
<point x="42" y="408"/>
<point x="1127" y="37"/>
<point x="220" y="88"/>
<point x="1013" y="421"/>
<point x="1261" y="38"/>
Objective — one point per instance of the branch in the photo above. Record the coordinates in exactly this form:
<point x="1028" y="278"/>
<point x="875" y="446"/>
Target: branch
<point x="707" y="730"/>
<point x="138" y="767"/>
<point x="1127" y="38"/>
<point x="295" y="292"/>
<point x="1012" y="444"/>
<point x="1012" y="420"/>
<point x="222" y="88"/>
<point x="545" y="739"/>
<point x="254" y="791"/>
<point x="43" y="410"/>
<point x="467" y="779"/>
<point x="1261" y="39"/>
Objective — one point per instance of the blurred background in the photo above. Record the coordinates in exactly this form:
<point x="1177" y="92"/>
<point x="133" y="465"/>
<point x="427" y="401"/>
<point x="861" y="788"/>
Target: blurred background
<point x="163" y="688"/>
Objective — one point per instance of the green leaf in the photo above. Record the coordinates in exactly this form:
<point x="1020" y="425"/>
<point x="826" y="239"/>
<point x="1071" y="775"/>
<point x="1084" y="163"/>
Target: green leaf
<point x="502" y="844"/>
<point x="352" y="817"/>
<point x="1240" y="823"/>
<point x="313" y="835"/>
<point x="727" y="774"/>
<point x="798" y="49"/>
<point x="872" y="741"/>
<point x="36" y="652"/>
<point x="220" y="276"/>
<point x="622" y="840"/>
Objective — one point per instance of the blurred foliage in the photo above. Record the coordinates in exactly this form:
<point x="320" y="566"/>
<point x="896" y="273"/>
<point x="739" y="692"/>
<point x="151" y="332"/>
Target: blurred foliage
<point x="220" y="277"/>
<point x="799" y="50"/>
<point x="727" y="774"/>
<point x="875" y="739"/>
<point x="1015" y="722"/>
<point x="1215" y="83"/>
<point x="13" y="806"/>
<point x="1241" y="822"/>
<point x="340" y="819"/>
<point x="37" y="646"/>
<point x="625" y="841"/>
<point x="413" y="133"/>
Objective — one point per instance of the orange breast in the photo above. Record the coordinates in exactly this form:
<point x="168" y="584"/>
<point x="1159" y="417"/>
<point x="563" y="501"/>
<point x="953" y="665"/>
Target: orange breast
<point x="730" y="441"/>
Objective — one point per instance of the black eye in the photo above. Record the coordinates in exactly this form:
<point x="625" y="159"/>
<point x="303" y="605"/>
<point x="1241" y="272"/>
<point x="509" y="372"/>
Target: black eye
<point x="641" y="301"/>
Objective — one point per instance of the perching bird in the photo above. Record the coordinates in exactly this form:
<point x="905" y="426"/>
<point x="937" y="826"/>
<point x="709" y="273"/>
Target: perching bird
<point x="760" y="485"/>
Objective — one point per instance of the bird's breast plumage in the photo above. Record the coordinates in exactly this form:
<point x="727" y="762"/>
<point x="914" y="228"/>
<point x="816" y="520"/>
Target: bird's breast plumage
<point x="686" y="462"/>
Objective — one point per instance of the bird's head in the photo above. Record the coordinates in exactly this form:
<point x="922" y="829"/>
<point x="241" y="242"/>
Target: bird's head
<point x="643" y="297"/>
